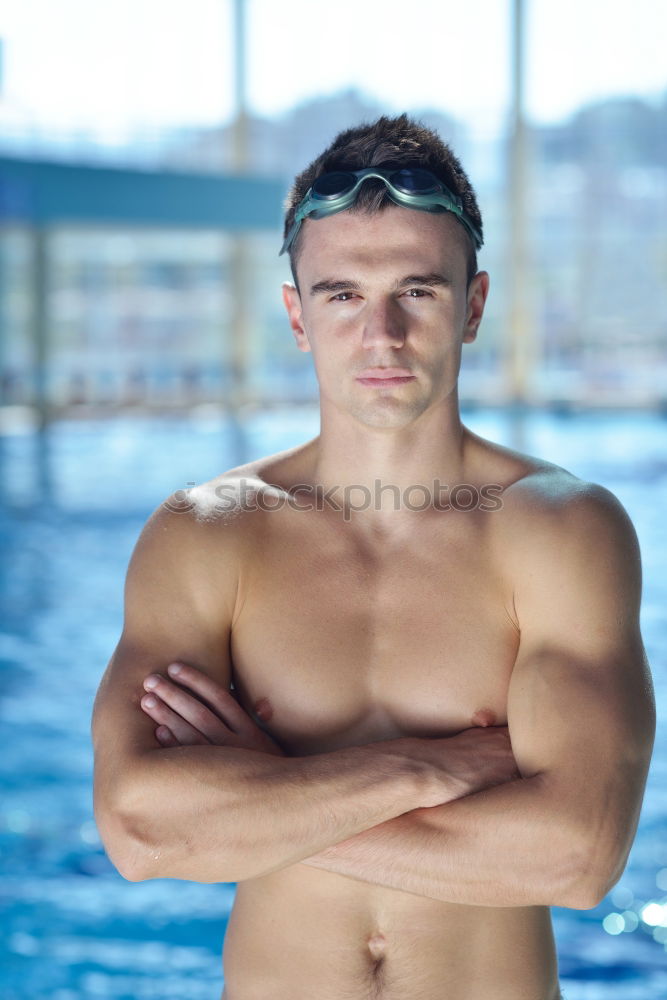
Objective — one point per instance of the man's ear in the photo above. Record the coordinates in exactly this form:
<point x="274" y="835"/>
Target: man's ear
<point x="477" y="293"/>
<point x="292" y="301"/>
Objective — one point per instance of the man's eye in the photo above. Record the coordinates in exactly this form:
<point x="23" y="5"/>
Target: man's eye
<point x="416" y="293"/>
<point x="342" y="297"/>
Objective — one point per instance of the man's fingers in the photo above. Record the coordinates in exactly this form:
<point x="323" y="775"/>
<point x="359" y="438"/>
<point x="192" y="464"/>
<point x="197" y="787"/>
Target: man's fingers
<point x="166" y="737"/>
<point x="218" y="698"/>
<point x="194" y="703"/>
<point x="190" y="707"/>
<point x="184" y="733"/>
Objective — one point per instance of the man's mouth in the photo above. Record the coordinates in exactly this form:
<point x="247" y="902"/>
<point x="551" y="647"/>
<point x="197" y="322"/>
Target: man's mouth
<point x="385" y="376"/>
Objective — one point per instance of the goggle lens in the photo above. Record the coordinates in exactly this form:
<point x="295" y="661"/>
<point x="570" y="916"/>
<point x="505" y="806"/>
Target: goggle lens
<point x="410" y="181"/>
<point x="334" y="185"/>
<point x="415" y="181"/>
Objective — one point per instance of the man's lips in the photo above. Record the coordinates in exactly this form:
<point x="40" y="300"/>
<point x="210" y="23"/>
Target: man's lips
<point x="385" y="376"/>
<point x="384" y="373"/>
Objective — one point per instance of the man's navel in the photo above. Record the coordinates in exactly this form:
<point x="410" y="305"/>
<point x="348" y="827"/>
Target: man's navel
<point x="377" y="946"/>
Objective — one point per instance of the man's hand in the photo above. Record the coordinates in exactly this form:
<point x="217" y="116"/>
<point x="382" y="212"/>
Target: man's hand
<point x="467" y="762"/>
<point x="190" y="709"/>
<point x="197" y="711"/>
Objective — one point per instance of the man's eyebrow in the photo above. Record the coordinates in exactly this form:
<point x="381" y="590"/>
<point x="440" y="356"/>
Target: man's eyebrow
<point x="432" y="280"/>
<point x="331" y="285"/>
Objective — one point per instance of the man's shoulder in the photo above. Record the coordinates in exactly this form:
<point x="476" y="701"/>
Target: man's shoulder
<point x="550" y="492"/>
<point x="561" y="540"/>
<point x="230" y="500"/>
<point x="550" y="508"/>
<point x="543" y="504"/>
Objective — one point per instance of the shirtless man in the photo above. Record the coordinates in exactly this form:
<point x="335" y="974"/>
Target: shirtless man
<point x="363" y="622"/>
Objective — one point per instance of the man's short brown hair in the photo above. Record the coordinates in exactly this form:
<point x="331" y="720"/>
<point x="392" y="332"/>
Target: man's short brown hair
<point x="391" y="143"/>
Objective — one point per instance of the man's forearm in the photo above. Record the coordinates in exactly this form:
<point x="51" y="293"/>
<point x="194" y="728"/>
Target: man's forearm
<point x="219" y="814"/>
<point x="504" y="846"/>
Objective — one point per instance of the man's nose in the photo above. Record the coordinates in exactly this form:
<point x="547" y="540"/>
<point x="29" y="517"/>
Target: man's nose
<point x="383" y="324"/>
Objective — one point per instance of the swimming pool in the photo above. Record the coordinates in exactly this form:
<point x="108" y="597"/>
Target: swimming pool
<point x="74" y="501"/>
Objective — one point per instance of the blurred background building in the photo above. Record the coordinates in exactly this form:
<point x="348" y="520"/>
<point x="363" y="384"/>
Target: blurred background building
<point x="108" y="302"/>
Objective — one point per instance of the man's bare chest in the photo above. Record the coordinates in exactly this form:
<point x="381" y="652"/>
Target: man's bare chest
<point x="353" y="643"/>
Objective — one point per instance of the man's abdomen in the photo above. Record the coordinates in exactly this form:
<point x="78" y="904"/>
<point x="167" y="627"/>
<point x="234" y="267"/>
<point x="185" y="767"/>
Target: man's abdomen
<point x="305" y="934"/>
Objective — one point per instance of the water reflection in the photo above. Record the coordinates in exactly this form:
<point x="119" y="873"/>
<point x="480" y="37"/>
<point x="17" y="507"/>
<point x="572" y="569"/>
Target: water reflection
<point x="75" y="499"/>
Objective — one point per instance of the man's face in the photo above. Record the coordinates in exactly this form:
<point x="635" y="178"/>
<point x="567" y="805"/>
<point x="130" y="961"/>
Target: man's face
<point x="384" y="291"/>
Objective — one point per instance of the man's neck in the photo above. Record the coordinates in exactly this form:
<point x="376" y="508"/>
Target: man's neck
<point x="384" y="476"/>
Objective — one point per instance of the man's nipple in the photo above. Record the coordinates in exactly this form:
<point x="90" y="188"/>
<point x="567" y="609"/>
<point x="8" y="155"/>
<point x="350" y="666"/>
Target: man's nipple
<point x="483" y="717"/>
<point x="263" y="709"/>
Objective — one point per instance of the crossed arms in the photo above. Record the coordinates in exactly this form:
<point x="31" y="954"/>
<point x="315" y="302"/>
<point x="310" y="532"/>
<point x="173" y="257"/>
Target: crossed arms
<point x="450" y="819"/>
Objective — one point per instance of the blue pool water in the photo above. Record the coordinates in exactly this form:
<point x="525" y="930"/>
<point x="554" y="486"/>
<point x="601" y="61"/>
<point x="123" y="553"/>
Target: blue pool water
<point x="73" y="503"/>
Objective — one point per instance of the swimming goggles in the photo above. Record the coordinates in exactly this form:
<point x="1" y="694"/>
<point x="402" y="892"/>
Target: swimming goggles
<point x="412" y="187"/>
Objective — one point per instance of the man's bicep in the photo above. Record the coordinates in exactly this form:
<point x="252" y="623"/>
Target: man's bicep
<point x="576" y="719"/>
<point x="580" y="708"/>
<point x="180" y="593"/>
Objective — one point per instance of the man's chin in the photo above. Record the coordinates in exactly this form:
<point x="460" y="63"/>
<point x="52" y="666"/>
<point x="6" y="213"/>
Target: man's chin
<point x="387" y="417"/>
